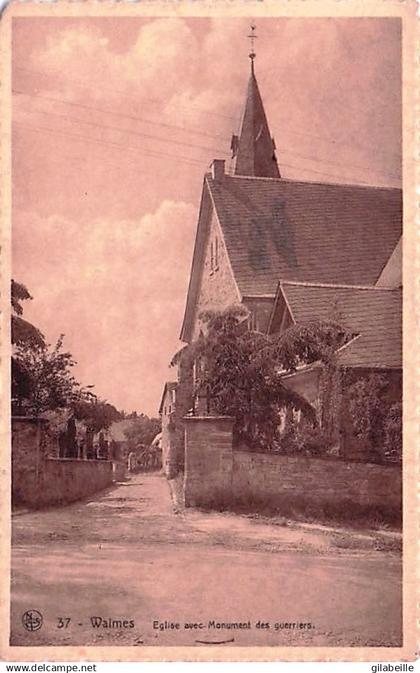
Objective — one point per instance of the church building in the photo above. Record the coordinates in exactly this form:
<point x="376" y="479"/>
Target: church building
<point x="290" y="250"/>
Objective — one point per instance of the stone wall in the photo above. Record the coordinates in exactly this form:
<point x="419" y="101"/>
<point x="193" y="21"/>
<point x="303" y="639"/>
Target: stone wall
<point x="270" y="479"/>
<point x="65" y="480"/>
<point x="38" y="480"/>
<point x="216" y="475"/>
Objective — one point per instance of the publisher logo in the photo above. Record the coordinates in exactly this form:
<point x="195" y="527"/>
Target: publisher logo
<point x="32" y="620"/>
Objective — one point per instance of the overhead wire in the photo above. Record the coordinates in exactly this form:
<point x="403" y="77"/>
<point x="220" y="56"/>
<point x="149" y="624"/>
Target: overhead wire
<point x="129" y="162"/>
<point x="156" y="154"/>
<point x="179" y="142"/>
<point x="140" y="151"/>
<point x="207" y="112"/>
<point x="115" y="128"/>
<point x="218" y="151"/>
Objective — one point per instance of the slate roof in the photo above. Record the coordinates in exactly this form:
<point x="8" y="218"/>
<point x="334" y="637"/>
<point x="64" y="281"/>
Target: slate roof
<point x="374" y="313"/>
<point x="309" y="231"/>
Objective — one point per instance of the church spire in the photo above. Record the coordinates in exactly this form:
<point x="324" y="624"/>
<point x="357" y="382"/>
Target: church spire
<point x="254" y="150"/>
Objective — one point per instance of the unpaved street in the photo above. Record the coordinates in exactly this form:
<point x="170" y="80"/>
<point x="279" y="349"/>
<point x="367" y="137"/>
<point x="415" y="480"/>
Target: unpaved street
<point x="126" y="555"/>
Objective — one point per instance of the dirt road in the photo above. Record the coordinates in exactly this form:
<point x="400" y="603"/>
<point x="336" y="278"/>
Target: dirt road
<point x="126" y="558"/>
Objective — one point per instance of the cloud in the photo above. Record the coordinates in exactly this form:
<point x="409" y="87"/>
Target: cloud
<point x="155" y="65"/>
<point x="115" y="288"/>
<point x="194" y="72"/>
<point x="169" y="68"/>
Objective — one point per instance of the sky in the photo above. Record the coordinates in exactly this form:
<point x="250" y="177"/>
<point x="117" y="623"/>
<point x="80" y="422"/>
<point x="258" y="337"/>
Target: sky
<point x="116" y="121"/>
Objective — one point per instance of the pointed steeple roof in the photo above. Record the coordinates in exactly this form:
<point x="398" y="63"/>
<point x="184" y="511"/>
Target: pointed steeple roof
<point x="254" y="148"/>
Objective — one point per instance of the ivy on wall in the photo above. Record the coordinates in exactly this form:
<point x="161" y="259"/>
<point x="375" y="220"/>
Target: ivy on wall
<point x="238" y="373"/>
<point x="376" y="418"/>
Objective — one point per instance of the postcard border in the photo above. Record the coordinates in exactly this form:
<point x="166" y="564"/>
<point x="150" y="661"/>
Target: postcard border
<point x="411" y="312"/>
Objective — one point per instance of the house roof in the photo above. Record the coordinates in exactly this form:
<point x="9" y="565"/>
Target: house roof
<point x="332" y="233"/>
<point x="169" y="385"/>
<point x="374" y="313"/>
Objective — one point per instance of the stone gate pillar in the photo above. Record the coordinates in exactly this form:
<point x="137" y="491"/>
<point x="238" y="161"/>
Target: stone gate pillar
<point x="208" y="460"/>
<point x="29" y="449"/>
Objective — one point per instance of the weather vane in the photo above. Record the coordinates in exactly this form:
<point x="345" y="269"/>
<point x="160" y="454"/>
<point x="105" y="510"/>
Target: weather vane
<point x="252" y="37"/>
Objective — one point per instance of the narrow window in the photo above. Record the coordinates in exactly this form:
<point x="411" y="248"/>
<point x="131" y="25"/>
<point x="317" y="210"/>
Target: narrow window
<point x="196" y="370"/>
<point x="211" y="256"/>
<point x="253" y="322"/>
<point x="216" y="253"/>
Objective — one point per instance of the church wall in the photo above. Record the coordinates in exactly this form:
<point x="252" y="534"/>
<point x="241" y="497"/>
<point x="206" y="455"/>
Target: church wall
<point x="217" y="286"/>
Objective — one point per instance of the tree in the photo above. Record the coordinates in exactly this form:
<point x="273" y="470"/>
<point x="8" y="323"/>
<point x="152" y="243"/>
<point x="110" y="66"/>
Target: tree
<point x="22" y="330"/>
<point x="239" y="371"/>
<point x="22" y="333"/>
<point x="50" y="383"/>
<point x="96" y="414"/>
<point x="142" y="430"/>
<point x="41" y="375"/>
<point x="304" y="343"/>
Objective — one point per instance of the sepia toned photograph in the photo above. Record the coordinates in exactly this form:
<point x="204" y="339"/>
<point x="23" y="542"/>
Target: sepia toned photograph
<point x="206" y="312"/>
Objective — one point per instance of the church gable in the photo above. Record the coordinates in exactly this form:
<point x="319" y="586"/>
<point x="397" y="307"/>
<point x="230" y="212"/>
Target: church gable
<point x="391" y="275"/>
<point x="212" y="284"/>
<point x="281" y="317"/>
<point x="217" y="288"/>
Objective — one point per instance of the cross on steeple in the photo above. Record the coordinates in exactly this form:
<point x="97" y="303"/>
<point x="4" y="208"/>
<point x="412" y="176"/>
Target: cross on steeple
<point x="252" y="37"/>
